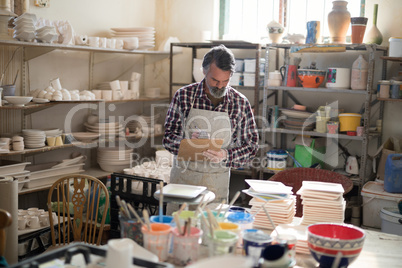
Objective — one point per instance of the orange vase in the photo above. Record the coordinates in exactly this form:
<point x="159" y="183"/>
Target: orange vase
<point x="338" y="22"/>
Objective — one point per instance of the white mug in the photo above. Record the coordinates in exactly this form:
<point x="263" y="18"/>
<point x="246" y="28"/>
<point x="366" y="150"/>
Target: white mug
<point x="56" y="84"/>
<point x="103" y="42"/>
<point x="117" y="95"/>
<point x="115" y="85"/>
<point x="22" y="223"/>
<point x="93" y="41"/>
<point x="120" y="251"/>
<point x="44" y="219"/>
<point x="33" y="222"/>
<point x="107" y="95"/>
<point x="338" y="78"/>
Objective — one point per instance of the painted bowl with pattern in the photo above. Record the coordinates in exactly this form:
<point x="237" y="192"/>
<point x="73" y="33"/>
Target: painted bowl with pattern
<point x="327" y="240"/>
<point x="310" y="77"/>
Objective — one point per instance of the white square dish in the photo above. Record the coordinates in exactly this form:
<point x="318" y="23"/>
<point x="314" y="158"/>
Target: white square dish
<point x="182" y="190"/>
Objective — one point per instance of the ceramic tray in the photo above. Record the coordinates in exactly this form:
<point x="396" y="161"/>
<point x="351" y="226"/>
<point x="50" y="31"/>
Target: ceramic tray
<point x="181" y="190"/>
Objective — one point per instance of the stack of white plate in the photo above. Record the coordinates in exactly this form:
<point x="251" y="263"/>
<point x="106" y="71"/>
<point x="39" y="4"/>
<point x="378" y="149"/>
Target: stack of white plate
<point x="24" y="29"/>
<point x="106" y="129"/>
<point x="34" y="138"/>
<point x="146" y="35"/>
<point x="104" y="86"/>
<point x="114" y="159"/>
<point x="322" y="200"/>
<point x="53" y="132"/>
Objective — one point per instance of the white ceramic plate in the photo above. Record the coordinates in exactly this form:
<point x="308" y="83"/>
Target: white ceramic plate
<point x="134" y="29"/>
<point x="323" y="186"/>
<point x="269" y="187"/>
<point x="296" y="113"/>
<point x="39" y="100"/>
<point x="181" y="190"/>
<point x="223" y="261"/>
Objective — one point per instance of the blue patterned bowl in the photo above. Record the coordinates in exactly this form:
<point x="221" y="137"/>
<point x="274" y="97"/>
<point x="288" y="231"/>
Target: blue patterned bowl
<point x="325" y="240"/>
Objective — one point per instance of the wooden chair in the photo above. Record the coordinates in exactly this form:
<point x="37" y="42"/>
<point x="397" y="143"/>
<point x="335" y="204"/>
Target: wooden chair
<point x="295" y="176"/>
<point x="5" y="221"/>
<point x="75" y="199"/>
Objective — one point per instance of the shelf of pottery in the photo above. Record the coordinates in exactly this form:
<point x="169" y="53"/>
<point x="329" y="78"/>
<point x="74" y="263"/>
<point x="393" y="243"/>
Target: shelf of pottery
<point x="20" y="140"/>
<point x="339" y="111"/>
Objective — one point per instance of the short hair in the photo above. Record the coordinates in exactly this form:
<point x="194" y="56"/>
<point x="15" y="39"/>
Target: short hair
<point x="222" y="57"/>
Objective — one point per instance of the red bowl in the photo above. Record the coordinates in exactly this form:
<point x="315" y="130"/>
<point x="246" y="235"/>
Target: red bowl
<point x="310" y="78"/>
<point x="326" y="240"/>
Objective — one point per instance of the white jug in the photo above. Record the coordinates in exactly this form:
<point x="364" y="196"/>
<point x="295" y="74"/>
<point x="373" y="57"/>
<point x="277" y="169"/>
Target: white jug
<point x="120" y="251"/>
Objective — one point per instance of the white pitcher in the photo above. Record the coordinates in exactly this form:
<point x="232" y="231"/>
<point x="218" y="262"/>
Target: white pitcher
<point x="120" y="251"/>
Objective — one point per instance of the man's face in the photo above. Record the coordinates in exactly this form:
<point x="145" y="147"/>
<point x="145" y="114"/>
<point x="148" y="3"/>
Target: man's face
<point x="217" y="81"/>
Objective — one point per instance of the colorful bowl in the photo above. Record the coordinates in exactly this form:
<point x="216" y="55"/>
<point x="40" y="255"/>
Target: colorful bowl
<point x="310" y="77"/>
<point x="326" y="240"/>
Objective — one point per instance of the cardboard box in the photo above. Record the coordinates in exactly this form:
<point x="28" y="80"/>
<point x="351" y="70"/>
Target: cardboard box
<point x="310" y="151"/>
<point x="390" y="146"/>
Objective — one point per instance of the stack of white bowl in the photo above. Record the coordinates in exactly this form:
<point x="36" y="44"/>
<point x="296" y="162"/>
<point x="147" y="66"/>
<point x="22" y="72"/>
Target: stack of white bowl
<point x="106" y="129"/>
<point x="114" y="159"/>
<point x="24" y="29"/>
<point x="34" y="138"/>
<point x="145" y="36"/>
<point x="46" y="34"/>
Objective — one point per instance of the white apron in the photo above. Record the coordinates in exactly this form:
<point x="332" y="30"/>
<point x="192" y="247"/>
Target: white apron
<point x="215" y="176"/>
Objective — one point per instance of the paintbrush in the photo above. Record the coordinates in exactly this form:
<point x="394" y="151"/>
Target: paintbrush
<point x="232" y="202"/>
<point x="146" y="219"/>
<point x="161" y="202"/>
<point x="132" y="210"/>
<point x="119" y="203"/>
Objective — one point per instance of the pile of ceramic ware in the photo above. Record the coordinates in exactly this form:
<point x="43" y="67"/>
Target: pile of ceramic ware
<point x="24" y="29"/>
<point x="114" y="159"/>
<point x="34" y="138"/>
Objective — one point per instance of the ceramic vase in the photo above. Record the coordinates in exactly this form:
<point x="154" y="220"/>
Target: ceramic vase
<point x="275" y="31"/>
<point x="374" y="35"/>
<point x="338" y="22"/>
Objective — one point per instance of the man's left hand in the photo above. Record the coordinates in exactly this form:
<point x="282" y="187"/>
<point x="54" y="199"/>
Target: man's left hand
<point x="216" y="156"/>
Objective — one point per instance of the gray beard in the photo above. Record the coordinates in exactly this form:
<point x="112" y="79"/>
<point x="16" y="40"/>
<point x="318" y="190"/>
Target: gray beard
<point x="217" y="92"/>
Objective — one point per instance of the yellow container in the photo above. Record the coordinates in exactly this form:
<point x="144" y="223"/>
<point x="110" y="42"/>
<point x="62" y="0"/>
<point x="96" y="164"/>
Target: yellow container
<point x="349" y="121"/>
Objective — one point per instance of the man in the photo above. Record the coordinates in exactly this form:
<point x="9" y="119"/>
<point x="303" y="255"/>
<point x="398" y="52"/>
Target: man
<point x="211" y="109"/>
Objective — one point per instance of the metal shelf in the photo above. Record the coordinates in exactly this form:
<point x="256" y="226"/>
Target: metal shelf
<point x="320" y="89"/>
<point x="313" y="133"/>
<point x="370" y="49"/>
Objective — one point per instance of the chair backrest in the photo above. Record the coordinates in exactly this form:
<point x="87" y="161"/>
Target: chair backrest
<point x="295" y="176"/>
<point x="5" y="221"/>
<point x="76" y="201"/>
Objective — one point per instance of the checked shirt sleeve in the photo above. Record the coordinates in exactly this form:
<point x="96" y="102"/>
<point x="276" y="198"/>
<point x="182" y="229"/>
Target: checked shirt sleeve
<point x="244" y="140"/>
<point x="173" y="126"/>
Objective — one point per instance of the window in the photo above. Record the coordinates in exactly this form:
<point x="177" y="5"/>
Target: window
<point x="247" y="19"/>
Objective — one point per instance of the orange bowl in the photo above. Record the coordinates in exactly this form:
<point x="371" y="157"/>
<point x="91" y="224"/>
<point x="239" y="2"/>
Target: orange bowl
<point x="310" y="78"/>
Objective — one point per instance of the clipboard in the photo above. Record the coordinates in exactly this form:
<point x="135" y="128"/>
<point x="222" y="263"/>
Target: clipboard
<point x="191" y="149"/>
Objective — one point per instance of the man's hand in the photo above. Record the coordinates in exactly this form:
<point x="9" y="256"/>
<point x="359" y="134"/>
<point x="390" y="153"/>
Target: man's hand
<point x="216" y="156"/>
<point x="200" y="135"/>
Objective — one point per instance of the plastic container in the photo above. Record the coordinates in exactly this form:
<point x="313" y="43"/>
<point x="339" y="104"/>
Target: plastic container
<point x="395" y="47"/>
<point x="374" y="199"/>
<point x="393" y="174"/>
<point x="277" y="159"/>
<point x="385" y="87"/>
<point x="396" y="89"/>
<point x="391" y="221"/>
<point x="359" y="75"/>
<point x="349" y="121"/>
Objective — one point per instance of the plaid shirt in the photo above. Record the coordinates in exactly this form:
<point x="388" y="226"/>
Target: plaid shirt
<point x="244" y="143"/>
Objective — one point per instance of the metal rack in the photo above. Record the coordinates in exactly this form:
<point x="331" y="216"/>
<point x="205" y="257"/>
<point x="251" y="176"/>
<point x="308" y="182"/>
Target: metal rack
<point x="371" y="50"/>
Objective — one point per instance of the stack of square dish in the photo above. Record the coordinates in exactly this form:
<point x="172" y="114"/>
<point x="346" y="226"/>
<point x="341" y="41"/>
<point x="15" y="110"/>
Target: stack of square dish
<point x="280" y="211"/>
<point x="277" y="199"/>
<point x="299" y="231"/>
<point x="145" y="35"/>
<point x="322" y="200"/>
<point x="46" y="34"/>
<point x="24" y="29"/>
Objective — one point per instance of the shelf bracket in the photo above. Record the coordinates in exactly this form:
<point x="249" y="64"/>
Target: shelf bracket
<point x="34" y="52"/>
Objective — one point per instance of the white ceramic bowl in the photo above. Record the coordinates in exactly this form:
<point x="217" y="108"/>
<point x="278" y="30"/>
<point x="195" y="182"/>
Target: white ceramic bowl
<point x="18" y="100"/>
